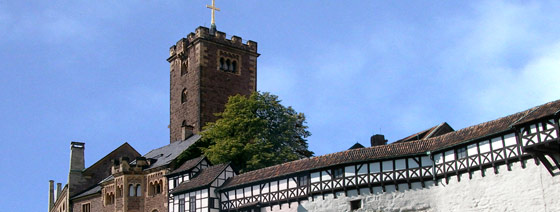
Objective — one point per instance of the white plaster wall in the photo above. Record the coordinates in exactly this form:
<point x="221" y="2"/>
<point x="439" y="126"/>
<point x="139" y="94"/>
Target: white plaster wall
<point x="531" y="189"/>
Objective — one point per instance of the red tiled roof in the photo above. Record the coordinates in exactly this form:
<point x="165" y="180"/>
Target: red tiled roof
<point x="204" y="178"/>
<point x="396" y="149"/>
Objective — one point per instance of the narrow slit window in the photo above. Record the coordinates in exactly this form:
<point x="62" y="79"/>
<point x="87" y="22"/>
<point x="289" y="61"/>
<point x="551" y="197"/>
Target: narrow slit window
<point x="184" y="69"/>
<point x="184" y="96"/>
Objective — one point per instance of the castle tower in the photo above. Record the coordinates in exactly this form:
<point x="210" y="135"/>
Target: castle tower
<point x="206" y="69"/>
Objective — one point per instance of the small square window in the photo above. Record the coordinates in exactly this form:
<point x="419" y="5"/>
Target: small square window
<point x="302" y="180"/>
<point x="355" y="204"/>
<point x="462" y="152"/>
<point x="338" y="173"/>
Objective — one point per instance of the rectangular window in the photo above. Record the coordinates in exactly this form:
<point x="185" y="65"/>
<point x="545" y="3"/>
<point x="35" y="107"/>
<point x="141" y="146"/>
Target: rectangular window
<point x="355" y="204"/>
<point x="192" y="204"/>
<point x="86" y="207"/>
<point x="338" y="173"/>
<point x="302" y="180"/>
<point x="182" y="205"/>
<point x="462" y="152"/>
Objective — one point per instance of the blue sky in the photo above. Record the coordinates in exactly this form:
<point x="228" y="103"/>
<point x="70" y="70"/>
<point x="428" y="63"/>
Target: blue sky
<point x="96" y="71"/>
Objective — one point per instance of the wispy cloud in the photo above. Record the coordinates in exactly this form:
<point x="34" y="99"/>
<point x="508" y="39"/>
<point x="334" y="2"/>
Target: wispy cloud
<point x="503" y="62"/>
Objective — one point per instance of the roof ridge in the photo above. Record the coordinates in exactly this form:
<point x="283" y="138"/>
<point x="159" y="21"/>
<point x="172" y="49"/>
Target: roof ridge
<point x="107" y="155"/>
<point x="527" y="114"/>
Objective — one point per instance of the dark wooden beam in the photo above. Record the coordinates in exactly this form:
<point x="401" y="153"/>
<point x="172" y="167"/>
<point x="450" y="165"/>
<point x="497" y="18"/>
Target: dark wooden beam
<point x="545" y="162"/>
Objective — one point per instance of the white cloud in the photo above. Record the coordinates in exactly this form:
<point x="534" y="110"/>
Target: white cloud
<point x="535" y="83"/>
<point x="503" y="63"/>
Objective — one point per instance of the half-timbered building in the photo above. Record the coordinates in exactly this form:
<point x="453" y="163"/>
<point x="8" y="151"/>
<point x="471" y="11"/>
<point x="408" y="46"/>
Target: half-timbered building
<point x="510" y="163"/>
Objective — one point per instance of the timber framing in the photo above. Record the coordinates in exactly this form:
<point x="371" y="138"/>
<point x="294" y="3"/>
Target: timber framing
<point x="504" y="141"/>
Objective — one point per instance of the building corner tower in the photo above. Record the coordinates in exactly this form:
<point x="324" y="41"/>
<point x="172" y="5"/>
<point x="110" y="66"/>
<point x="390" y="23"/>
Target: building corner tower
<point x="205" y="70"/>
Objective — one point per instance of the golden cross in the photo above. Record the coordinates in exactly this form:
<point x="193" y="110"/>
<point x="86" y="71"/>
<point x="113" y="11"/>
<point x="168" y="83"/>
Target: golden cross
<point x="213" y="8"/>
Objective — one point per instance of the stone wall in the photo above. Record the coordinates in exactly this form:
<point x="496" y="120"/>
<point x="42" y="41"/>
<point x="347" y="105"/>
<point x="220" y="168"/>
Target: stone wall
<point x="529" y="189"/>
<point x="207" y="87"/>
<point x="94" y="201"/>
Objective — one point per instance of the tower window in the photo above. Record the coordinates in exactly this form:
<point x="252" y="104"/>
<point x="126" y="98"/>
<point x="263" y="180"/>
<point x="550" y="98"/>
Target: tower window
<point x="131" y="191"/>
<point x="184" y="96"/>
<point x="138" y="190"/>
<point x="228" y="65"/>
<point x="234" y="66"/>
<point x="222" y="64"/>
<point x="184" y="68"/>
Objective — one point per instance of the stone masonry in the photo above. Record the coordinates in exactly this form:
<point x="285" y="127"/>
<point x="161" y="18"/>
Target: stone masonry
<point x="196" y="70"/>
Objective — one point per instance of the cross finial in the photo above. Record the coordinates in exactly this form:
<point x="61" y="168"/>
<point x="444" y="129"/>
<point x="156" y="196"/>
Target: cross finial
<point x="213" y="8"/>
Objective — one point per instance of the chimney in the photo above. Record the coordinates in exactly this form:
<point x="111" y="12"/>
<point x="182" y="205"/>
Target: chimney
<point x="51" y="194"/>
<point x="77" y="162"/>
<point x="187" y="132"/>
<point x="378" y="140"/>
<point x="58" y="188"/>
<point x="77" y="165"/>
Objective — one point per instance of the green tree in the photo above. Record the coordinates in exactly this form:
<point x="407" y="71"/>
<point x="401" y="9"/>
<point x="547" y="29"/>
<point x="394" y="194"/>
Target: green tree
<point x="256" y="132"/>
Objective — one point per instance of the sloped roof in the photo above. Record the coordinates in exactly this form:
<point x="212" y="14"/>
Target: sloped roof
<point x="164" y="155"/>
<point x="107" y="179"/>
<point x="434" y="131"/>
<point x="204" y="178"/>
<point x="94" y="190"/>
<point x="102" y="168"/>
<point x="397" y="149"/>
<point x="188" y="165"/>
<point x="356" y="146"/>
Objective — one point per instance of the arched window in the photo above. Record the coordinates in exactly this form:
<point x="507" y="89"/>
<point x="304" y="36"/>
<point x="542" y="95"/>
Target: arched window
<point x="222" y="64"/>
<point x="158" y="188"/>
<point x="184" y="96"/>
<point x="131" y="191"/>
<point x="184" y="68"/>
<point x="151" y="189"/>
<point x="234" y="66"/>
<point x="138" y="190"/>
<point x="228" y="65"/>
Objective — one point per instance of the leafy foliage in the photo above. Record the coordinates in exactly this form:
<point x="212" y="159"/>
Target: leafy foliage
<point x="256" y="132"/>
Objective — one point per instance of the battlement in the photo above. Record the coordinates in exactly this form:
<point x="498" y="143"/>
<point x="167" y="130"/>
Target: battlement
<point x="218" y="37"/>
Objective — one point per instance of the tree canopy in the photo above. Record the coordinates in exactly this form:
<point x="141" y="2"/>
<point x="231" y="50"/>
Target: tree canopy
<point x="255" y="132"/>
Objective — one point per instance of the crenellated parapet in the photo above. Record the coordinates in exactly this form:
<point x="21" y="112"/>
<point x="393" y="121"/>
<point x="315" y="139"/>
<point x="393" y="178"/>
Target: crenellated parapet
<point x="203" y="33"/>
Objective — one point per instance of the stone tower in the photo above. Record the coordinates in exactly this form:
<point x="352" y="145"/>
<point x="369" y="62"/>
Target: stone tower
<point x="206" y="68"/>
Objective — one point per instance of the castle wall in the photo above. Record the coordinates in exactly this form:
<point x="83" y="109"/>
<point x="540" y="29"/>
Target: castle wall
<point x="529" y="189"/>
<point x="95" y="203"/>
